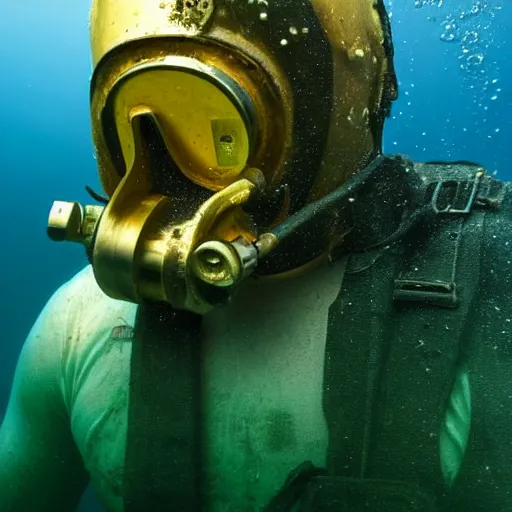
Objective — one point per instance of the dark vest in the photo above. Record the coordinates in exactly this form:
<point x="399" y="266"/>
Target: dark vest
<point x="426" y="289"/>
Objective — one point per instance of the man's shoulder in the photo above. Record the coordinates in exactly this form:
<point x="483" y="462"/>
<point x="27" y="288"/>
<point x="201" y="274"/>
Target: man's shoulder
<point x="82" y="285"/>
<point x="86" y="308"/>
<point x="451" y="169"/>
<point x="468" y="183"/>
<point x="83" y="288"/>
<point x="476" y="191"/>
<point x="94" y="324"/>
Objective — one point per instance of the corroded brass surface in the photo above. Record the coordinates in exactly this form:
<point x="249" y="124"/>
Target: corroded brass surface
<point x="207" y="133"/>
<point x="142" y="250"/>
<point x="125" y="33"/>
<point x="216" y="263"/>
<point x="65" y="221"/>
<point x="183" y="239"/>
<point x="72" y="222"/>
<point x="211" y="75"/>
<point x="362" y="85"/>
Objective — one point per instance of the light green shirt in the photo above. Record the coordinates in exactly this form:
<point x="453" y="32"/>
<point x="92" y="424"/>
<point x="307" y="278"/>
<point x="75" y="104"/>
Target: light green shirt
<point x="263" y="371"/>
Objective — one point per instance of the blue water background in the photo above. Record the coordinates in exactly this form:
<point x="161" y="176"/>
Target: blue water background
<point x="454" y="65"/>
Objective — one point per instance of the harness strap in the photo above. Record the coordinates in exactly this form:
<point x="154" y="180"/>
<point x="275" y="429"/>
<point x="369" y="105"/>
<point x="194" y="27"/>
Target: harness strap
<point x="163" y="455"/>
<point x="397" y="333"/>
<point x="484" y="482"/>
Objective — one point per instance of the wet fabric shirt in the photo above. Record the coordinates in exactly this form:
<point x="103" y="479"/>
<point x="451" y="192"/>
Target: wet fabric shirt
<point x="263" y="374"/>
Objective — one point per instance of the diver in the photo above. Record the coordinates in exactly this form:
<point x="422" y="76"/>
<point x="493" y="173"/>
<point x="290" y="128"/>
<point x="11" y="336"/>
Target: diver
<point x="276" y="315"/>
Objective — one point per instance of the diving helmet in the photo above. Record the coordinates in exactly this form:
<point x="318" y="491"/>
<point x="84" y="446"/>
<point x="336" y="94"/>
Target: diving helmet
<point x="214" y="121"/>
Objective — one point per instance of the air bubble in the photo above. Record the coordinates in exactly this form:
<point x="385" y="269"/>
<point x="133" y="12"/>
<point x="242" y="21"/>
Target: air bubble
<point x="263" y="16"/>
<point x="450" y="30"/>
<point x="432" y="3"/>
<point x="472" y="62"/>
<point x="471" y="37"/>
<point x="284" y="42"/>
<point x="476" y="9"/>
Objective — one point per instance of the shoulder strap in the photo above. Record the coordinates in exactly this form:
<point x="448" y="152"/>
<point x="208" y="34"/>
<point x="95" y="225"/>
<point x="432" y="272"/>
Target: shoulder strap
<point x="485" y="479"/>
<point x="162" y="463"/>
<point x="395" y="333"/>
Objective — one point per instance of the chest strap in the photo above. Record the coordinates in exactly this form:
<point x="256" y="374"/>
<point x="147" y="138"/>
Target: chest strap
<point x="163" y="450"/>
<point x="395" y="336"/>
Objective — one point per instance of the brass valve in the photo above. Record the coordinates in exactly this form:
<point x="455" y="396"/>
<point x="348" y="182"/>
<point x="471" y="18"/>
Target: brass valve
<point x="192" y="264"/>
<point x="70" y="221"/>
<point x="224" y="264"/>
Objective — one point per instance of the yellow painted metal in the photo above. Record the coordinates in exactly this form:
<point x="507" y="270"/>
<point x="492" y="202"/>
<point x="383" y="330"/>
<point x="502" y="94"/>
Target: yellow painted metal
<point x="222" y="103"/>
<point x="190" y="112"/>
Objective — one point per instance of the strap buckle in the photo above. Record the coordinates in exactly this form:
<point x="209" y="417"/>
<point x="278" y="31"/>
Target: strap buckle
<point x="450" y="208"/>
<point x="439" y="293"/>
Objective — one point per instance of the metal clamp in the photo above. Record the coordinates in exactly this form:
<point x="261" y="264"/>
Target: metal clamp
<point x="450" y="209"/>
